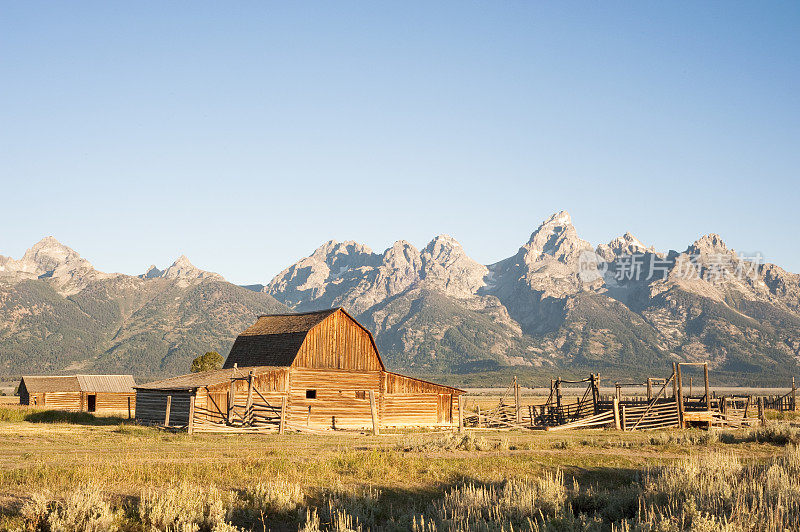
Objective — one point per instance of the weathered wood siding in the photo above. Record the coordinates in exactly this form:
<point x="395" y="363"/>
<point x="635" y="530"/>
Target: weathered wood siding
<point x="410" y="409"/>
<point x="112" y="402"/>
<point x="337" y="398"/>
<point x="151" y="407"/>
<point x="338" y="342"/>
<point x="60" y="400"/>
<point x="447" y="398"/>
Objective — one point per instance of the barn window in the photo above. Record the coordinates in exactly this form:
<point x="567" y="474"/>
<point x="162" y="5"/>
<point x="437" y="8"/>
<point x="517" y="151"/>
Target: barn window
<point x="311" y="394"/>
<point x="361" y="395"/>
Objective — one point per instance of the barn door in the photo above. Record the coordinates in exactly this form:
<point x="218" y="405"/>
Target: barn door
<point x="444" y="408"/>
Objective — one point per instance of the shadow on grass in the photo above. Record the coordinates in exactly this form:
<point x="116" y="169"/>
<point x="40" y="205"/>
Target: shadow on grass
<point x="75" y="418"/>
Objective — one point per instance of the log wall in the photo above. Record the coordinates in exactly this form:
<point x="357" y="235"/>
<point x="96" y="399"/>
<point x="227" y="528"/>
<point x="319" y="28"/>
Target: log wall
<point x="410" y="409"/>
<point x="60" y="400"/>
<point x="112" y="402"/>
<point x="151" y="407"/>
<point x="337" y="398"/>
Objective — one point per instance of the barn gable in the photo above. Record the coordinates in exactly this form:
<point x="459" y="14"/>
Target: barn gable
<point x="323" y="339"/>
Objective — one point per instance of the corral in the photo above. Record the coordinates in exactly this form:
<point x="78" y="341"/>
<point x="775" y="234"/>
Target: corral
<point x="311" y="371"/>
<point x="663" y="403"/>
<point x="86" y="393"/>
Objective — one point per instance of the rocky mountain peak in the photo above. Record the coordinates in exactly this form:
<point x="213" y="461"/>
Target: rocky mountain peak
<point x="343" y="255"/>
<point x="183" y="269"/>
<point x="707" y="245"/>
<point x="152" y="272"/>
<point x="626" y="244"/>
<point x="556" y="237"/>
<point x="442" y="246"/>
<point x="402" y="256"/>
<point x="47" y="255"/>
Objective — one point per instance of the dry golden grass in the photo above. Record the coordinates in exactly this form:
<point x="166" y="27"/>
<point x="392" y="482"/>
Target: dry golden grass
<point x="122" y="476"/>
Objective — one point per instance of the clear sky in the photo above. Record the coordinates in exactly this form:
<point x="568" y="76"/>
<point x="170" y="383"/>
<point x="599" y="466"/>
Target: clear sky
<point x="245" y="134"/>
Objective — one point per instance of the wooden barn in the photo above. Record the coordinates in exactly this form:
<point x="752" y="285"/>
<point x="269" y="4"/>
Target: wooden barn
<point x="88" y="393"/>
<point x="315" y="370"/>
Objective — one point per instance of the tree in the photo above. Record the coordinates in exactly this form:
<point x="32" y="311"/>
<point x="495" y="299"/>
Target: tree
<point x="211" y="360"/>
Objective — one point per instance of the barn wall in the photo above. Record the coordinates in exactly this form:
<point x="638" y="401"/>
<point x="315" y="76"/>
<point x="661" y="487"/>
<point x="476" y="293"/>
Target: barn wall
<point x="338" y="342"/>
<point x="410" y="409"/>
<point x="151" y="406"/>
<point x="446" y="400"/>
<point x="60" y="400"/>
<point x="24" y="397"/>
<point x="112" y="402"/>
<point x="336" y="397"/>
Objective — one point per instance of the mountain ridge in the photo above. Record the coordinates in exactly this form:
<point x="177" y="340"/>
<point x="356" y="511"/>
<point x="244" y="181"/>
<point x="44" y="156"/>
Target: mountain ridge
<point x="558" y="303"/>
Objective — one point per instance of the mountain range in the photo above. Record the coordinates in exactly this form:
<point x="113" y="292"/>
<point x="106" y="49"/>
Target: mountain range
<point x="557" y="304"/>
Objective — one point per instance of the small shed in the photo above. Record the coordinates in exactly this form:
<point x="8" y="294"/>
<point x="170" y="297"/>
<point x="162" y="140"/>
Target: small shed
<point x="314" y="370"/>
<point x="87" y="393"/>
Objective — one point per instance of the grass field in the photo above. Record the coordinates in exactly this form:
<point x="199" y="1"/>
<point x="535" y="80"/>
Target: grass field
<point x="73" y="471"/>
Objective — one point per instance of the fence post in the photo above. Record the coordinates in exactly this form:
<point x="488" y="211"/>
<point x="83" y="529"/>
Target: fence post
<point x="283" y="415"/>
<point x="166" y="414"/>
<point x="460" y="414"/>
<point x="129" y="407"/>
<point x="675" y="393"/>
<point x="615" y="406"/>
<point x="794" y="396"/>
<point x="680" y="393"/>
<point x="649" y="389"/>
<point x="375" y="430"/>
<point x="558" y="400"/>
<point x="190" y="426"/>
<point x="761" y="409"/>
<point x="622" y="417"/>
<point x="708" y="393"/>
<point x="231" y="400"/>
<point x="248" y="410"/>
<point x="517" y="404"/>
<point x="530" y="413"/>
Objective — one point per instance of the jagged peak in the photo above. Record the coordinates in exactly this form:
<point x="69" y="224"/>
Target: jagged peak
<point x="443" y="240"/>
<point x="183" y="268"/>
<point x="557" y="223"/>
<point x="401" y="247"/>
<point x="183" y="261"/>
<point x="152" y="272"/>
<point x="559" y="218"/>
<point x="557" y="237"/>
<point x="710" y="243"/>
<point x="347" y="247"/>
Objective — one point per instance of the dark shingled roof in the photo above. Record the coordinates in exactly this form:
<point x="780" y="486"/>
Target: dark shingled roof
<point x="203" y="378"/>
<point x="274" y="339"/>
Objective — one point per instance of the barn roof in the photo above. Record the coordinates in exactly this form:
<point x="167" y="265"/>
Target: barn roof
<point x="274" y="339"/>
<point x="204" y="378"/>
<point x="79" y="383"/>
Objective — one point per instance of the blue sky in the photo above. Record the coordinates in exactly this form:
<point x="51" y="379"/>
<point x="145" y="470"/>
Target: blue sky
<point x="245" y="134"/>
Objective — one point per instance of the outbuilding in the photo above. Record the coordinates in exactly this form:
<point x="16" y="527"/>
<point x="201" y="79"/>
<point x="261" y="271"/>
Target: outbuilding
<point x="313" y="370"/>
<point x="87" y="393"/>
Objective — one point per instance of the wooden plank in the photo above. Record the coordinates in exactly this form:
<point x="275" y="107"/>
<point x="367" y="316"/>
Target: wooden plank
<point x="249" y="405"/>
<point x="190" y="427"/>
<point x="460" y="414"/>
<point x="166" y="415"/>
<point x="373" y="410"/>
<point x="283" y="415"/>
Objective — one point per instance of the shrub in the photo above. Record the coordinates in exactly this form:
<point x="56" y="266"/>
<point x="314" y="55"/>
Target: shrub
<point x="84" y="510"/>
